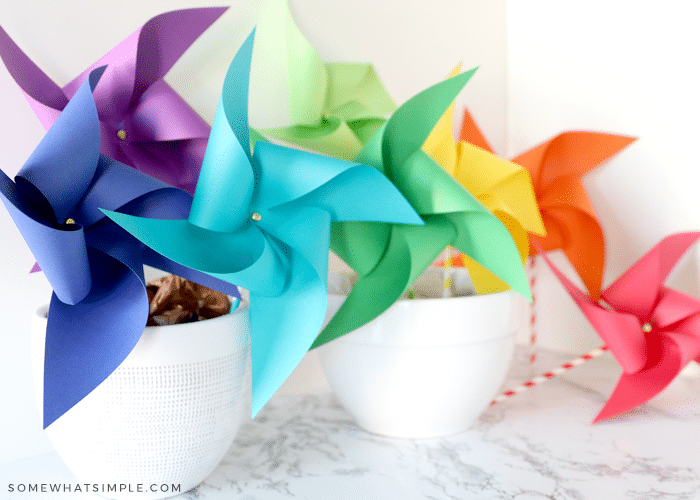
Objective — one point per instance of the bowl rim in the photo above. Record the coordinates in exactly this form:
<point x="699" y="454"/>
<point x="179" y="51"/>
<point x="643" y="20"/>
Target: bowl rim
<point x="41" y="314"/>
<point x="473" y="296"/>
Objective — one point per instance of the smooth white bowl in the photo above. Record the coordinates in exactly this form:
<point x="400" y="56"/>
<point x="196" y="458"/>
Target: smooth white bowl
<point x="426" y="367"/>
<point x="166" y="416"/>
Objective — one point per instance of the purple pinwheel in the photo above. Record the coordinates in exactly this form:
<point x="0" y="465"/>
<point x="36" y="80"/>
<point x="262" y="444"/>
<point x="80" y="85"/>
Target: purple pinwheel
<point x="99" y="306"/>
<point x="144" y="123"/>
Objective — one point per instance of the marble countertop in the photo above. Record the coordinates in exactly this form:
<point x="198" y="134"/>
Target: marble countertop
<point x="536" y="445"/>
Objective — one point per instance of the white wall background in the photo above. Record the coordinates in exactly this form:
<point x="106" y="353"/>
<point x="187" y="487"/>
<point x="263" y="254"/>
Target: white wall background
<point x="411" y="46"/>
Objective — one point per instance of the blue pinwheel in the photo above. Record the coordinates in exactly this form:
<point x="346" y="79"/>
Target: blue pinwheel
<point x="99" y="305"/>
<point x="263" y="222"/>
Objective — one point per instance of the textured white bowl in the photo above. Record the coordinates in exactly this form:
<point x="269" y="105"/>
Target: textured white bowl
<point x="166" y="416"/>
<point x="426" y="367"/>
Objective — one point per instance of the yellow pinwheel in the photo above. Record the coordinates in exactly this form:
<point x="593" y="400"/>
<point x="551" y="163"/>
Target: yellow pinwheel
<point x="505" y="188"/>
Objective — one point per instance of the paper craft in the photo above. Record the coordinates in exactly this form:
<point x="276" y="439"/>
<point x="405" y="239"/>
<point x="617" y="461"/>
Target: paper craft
<point x="652" y="330"/>
<point x="334" y="107"/>
<point x="144" y="123"/>
<point x="389" y="257"/>
<point x="263" y="222"/>
<point x="556" y="167"/>
<point x="99" y="305"/>
<point x="503" y="187"/>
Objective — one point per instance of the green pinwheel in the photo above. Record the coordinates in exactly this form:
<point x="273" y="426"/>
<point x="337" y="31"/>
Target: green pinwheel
<point x="334" y="108"/>
<point x="263" y="222"/>
<point x="389" y="257"/>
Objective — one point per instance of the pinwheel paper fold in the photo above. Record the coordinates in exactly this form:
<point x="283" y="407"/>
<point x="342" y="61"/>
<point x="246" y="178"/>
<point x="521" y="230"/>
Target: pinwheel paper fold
<point x="503" y="187"/>
<point x="652" y="330"/>
<point x="144" y="123"/>
<point x="334" y="107"/>
<point x="99" y="306"/>
<point x="556" y="167"/>
<point x="389" y="257"/>
<point x="263" y="222"/>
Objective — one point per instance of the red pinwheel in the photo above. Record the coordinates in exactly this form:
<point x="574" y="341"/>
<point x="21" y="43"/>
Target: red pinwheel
<point x="652" y="330"/>
<point x="144" y="123"/>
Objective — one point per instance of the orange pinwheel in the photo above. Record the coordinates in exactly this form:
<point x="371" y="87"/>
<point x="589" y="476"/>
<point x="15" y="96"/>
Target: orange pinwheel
<point x="556" y="167"/>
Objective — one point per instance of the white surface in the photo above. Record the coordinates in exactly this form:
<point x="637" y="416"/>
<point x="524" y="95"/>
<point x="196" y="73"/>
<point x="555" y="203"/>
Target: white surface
<point x="167" y="414"/>
<point x="537" y="445"/>
<point x="411" y="46"/>
<point x="425" y="367"/>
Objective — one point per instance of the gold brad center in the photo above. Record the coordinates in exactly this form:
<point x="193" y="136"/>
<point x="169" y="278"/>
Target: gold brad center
<point x="70" y="221"/>
<point x="256" y="216"/>
<point x="646" y="327"/>
<point x="122" y="134"/>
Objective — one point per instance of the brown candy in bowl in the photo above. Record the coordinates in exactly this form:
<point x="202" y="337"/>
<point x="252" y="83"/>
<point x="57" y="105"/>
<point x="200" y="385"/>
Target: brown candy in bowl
<point x="174" y="300"/>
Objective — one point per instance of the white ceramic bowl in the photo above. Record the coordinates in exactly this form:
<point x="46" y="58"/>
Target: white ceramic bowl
<point x="426" y="367"/>
<point x="166" y="416"/>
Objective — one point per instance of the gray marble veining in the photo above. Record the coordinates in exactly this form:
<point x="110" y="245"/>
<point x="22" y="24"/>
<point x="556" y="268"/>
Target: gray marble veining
<point x="537" y="445"/>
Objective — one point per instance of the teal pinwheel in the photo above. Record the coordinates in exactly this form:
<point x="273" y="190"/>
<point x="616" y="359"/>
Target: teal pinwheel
<point x="334" y="108"/>
<point x="263" y="222"/>
<point x="389" y="257"/>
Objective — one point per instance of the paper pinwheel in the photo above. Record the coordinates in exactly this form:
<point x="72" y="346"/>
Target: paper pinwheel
<point x="334" y="107"/>
<point x="652" y="330"/>
<point x="144" y="123"/>
<point x="503" y="187"/>
<point x="556" y="167"/>
<point x="99" y="306"/>
<point x="389" y="257"/>
<point x="263" y="222"/>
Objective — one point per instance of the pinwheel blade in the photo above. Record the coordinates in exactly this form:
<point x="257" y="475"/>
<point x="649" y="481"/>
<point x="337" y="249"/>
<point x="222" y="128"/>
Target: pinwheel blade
<point x="356" y="93"/>
<point x="572" y="226"/>
<point x="508" y="184"/>
<point x="570" y="154"/>
<point x="410" y="250"/>
<point x="635" y="389"/>
<point x="285" y="325"/>
<point x="148" y="122"/>
<point x="674" y="306"/>
<point x="621" y="332"/>
<point x="411" y="124"/>
<point x="63" y="164"/>
<point x="285" y="328"/>
<point x="69" y="277"/>
<point x="225" y="184"/>
<point x="291" y="179"/>
<point x="163" y="40"/>
<point x="485" y="281"/>
<point x="637" y="290"/>
<point x="483" y="238"/>
<point x="334" y="108"/>
<point x="190" y="245"/>
<point x="471" y="133"/>
<point x="332" y="137"/>
<point x="373" y="293"/>
<point x="86" y="342"/>
<point x="33" y="82"/>
<point x="360" y="244"/>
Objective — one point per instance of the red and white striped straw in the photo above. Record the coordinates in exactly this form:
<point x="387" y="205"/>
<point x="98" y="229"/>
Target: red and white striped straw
<point x="533" y="312"/>
<point x="551" y="374"/>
